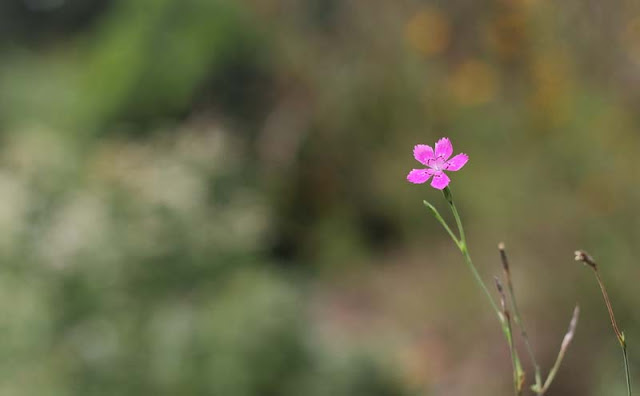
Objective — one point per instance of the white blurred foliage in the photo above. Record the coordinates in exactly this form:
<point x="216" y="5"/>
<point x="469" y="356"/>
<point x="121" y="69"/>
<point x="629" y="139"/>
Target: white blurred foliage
<point x="79" y="225"/>
<point x="167" y="182"/>
<point x="36" y="150"/>
<point x="182" y="173"/>
<point x="13" y="208"/>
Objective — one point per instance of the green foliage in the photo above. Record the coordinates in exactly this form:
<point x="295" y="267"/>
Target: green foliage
<point x="151" y="57"/>
<point x="117" y="283"/>
<point x="168" y="167"/>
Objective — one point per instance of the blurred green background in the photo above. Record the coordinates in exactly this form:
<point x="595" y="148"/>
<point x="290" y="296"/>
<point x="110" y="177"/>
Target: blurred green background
<point x="208" y="197"/>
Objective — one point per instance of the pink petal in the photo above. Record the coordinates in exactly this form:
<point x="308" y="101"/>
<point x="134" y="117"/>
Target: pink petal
<point x="419" y="176"/>
<point x="457" y="162"/>
<point x="444" y="148"/>
<point x="440" y="181"/>
<point x="423" y="153"/>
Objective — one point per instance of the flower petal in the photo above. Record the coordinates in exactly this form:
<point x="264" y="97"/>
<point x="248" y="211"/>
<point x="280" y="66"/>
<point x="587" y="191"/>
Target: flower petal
<point x="444" y="148"/>
<point x="440" y="181"/>
<point x="423" y="153"/>
<point x="419" y="176"/>
<point x="456" y="162"/>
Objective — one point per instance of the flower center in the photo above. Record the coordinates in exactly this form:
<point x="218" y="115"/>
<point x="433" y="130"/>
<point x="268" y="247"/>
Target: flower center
<point x="437" y="164"/>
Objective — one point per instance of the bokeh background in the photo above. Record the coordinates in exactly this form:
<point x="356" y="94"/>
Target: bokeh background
<point x="208" y="197"/>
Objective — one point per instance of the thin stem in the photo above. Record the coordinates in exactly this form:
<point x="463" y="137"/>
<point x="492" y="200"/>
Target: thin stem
<point x="552" y="372"/>
<point x="626" y="369"/>
<point x="612" y="317"/>
<point x="616" y="329"/>
<point x="585" y="258"/>
<point x="563" y="349"/>
<point x="476" y="275"/>
<point x="462" y="245"/>
<point x="449" y="197"/>
<point x="444" y="224"/>
<point x="516" y="315"/>
<point x="518" y="373"/>
<point x="517" y="370"/>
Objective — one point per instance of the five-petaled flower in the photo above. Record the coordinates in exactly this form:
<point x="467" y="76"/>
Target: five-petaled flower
<point x="437" y="161"/>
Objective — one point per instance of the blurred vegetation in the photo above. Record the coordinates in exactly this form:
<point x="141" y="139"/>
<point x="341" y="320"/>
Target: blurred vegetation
<point x="208" y="196"/>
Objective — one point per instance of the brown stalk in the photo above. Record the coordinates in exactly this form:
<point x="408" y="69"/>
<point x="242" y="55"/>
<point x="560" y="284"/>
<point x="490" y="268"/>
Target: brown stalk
<point x="586" y="259"/>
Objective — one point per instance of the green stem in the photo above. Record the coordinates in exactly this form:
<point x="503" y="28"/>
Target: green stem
<point x="517" y="318"/>
<point x="553" y="372"/>
<point x="525" y="337"/>
<point x="462" y="245"/>
<point x="476" y="275"/>
<point x="436" y="214"/>
<point x="619" y="334"/>
<point x="563" y="349"/>
<point x="626" y="368"/>
<point x="518" y="374"/>
<point x="585" y="258"/>
<point x="506" y="328"/>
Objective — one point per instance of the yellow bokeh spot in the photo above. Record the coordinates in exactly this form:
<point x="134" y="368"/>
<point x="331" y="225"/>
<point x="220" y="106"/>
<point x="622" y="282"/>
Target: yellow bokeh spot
<point x="506" y="34"/>
<point x="428" y="32"/>
<point x="631" y="39"/>
<point x="551" y="74"/>
<point x="472" y="83"/>
<point x="521" y="3"/>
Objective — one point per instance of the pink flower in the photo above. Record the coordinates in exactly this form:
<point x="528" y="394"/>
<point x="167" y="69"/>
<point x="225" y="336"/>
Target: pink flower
<point x="437" y="163"/>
